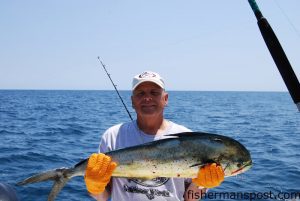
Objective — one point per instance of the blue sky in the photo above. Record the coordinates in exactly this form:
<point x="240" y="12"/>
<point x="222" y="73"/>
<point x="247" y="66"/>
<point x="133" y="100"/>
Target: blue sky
<point x="194" y="45"/>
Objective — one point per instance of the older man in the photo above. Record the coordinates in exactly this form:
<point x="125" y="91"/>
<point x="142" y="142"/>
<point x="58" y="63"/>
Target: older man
<point x="149" y="99"/>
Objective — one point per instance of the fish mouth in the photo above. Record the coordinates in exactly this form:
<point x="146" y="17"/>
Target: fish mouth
<point x="242" y="169"/>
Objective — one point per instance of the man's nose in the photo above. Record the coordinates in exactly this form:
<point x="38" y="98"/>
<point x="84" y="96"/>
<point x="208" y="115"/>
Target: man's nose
<point x="147" y="98"/>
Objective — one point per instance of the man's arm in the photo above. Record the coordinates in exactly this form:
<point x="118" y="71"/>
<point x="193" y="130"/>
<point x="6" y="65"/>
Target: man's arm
<point x="105" y="195"/>
<point x="102" y="196"/>
<point x="193" y="193"/>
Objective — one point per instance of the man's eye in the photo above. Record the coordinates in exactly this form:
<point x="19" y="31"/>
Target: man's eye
<point x="140" y="93"/>
<point x="155" y="93"/>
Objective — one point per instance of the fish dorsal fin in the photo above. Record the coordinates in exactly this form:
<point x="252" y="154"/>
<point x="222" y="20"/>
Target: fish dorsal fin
<point x="187" y="134"/>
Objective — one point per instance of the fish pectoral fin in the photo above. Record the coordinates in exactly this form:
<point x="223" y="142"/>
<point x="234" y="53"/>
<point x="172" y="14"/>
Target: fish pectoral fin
<point x="203" y="164"/>
<point x="198" y="164"/>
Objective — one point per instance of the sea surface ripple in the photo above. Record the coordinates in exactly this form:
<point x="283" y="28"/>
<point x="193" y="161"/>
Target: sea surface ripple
<point x="42" y="130"/>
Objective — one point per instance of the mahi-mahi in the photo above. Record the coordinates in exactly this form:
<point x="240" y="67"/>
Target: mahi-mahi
<point x="178" y="155"/>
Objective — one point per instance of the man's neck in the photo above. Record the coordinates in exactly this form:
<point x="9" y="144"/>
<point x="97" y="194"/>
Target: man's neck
<point x="152" y="125"/>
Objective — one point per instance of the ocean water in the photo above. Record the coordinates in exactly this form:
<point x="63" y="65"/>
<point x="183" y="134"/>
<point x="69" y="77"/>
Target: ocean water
<point x="42" y="130"/>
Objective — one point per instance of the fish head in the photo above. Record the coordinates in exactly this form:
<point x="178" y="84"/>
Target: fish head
<point x="235" y="158"/>
<point x="235" y="168"/>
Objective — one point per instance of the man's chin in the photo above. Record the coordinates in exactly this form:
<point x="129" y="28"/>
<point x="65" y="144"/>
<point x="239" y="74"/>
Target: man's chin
<point x="149" y="112"/>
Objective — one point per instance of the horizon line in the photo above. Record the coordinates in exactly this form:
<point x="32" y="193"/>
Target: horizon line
<point x="174" y="90"/>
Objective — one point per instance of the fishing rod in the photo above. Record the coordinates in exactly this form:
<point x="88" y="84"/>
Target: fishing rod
<point x="115" y="86"/>
<point x="287" y="73"/>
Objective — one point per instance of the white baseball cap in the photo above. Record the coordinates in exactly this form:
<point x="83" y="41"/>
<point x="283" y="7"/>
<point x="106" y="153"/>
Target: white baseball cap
<point x="147" y="76"/>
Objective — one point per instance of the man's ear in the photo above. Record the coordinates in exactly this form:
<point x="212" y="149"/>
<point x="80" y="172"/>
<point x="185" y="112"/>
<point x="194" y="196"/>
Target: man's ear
<point x="166" y="98"/>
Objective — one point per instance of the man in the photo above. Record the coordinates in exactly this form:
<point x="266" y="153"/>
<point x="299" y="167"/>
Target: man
<point x="149" y="99"/>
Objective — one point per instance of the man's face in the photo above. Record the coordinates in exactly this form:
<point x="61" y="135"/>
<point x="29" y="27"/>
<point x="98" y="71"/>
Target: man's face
<point x="149" y="99"/>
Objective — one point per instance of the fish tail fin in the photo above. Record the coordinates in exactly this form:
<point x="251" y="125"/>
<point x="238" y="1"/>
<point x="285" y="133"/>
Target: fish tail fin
<point x="60" y="177"/>
<point x="56" y="188"/>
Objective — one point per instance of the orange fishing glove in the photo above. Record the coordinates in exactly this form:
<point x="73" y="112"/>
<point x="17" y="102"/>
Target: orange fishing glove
<point x="209" y="176"/>
<point x="98" y="172"/>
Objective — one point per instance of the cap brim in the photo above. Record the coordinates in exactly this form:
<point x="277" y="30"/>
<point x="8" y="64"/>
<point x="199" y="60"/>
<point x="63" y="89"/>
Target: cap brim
<point x="143" y="81"/>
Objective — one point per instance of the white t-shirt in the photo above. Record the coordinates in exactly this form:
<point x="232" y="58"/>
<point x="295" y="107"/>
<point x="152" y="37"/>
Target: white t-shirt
<point x="158" y="189"/>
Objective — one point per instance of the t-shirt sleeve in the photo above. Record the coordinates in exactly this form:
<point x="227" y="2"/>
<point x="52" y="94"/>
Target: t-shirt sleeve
<point x="104" y="145"/>
<point x="108" y="139"/>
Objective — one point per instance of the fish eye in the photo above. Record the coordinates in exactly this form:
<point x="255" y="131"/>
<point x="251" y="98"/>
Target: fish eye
<point x="239" y="165"/>
<point x="217" y="140"/>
